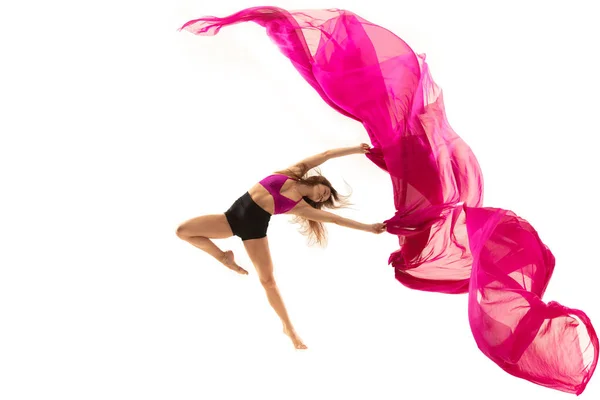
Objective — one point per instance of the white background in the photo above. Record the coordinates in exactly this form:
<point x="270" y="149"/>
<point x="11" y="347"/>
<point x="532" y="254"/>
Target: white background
<point x="115" y="128"/>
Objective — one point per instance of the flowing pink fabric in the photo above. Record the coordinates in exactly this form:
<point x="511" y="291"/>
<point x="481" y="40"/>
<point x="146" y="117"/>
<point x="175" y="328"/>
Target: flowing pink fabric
<point x="448" y="242"/>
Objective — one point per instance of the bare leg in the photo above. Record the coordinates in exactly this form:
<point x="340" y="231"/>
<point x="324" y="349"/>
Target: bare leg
<point x="198" y="231"/>
<point x="224" y="257"/>
<point x="258" y="250"/>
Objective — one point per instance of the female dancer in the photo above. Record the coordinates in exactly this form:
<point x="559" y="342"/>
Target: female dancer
<point x="284" y="192"/>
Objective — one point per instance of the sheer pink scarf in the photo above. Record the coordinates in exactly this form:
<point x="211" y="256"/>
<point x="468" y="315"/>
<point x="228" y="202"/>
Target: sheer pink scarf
<point x="448" y="242"/>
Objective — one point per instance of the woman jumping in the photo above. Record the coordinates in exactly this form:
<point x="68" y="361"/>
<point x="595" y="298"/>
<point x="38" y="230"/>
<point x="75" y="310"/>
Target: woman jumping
<point x="285" y="192"/>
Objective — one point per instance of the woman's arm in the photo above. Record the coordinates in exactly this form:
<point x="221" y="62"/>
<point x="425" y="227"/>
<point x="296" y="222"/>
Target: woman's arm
<point x="318" y="159"/>
<point x="305" y="211"/>
<point x="344" y="151"/>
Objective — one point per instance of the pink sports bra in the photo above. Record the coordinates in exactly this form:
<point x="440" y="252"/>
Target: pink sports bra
<point x="273" y="184"/>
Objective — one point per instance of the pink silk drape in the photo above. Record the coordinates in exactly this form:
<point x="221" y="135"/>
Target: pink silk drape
<point x="448" y="241"/>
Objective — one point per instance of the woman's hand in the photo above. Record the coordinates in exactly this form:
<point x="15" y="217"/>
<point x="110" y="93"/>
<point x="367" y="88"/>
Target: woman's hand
<point x="363" y="148"/>
<point x="377" y="228"/>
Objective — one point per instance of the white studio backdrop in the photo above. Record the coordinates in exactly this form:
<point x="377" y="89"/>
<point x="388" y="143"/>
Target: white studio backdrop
<point x="116" y="128"/>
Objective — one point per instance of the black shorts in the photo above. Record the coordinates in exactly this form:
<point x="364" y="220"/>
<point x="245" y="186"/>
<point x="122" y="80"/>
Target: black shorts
<point x="246" y="219"/>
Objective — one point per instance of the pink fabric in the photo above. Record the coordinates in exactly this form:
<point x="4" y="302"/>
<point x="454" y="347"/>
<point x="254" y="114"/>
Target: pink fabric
<point x="548" y="344"/>
<point x="448" y="242"/>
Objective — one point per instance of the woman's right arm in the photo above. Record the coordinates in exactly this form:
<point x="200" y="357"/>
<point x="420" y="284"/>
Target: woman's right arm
<point x="308" y="212"/>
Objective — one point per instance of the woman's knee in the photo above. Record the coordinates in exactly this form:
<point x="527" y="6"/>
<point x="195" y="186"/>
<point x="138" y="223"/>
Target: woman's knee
<point x="182" y="232"/>
<point x="268" y="282"/>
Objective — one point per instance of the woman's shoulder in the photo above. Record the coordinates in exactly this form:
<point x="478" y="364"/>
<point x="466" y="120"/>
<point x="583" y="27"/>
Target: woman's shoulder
<point x="287" y="174"/>
<point x="296" y="171"/>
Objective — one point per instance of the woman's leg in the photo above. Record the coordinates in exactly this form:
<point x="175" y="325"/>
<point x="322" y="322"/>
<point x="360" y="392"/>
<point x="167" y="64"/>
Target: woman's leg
<point x="258" y="251"/>
<point x="198" y="232"/>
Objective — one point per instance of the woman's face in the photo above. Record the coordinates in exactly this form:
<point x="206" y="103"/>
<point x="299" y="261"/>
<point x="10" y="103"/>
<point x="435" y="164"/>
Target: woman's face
<point x="320" y="193"/>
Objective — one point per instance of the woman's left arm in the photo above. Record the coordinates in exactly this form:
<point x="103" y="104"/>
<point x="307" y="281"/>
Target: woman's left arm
<point x="318" y="159"/>
<point x="311" y="162"/>
<point x="344" y="151"/>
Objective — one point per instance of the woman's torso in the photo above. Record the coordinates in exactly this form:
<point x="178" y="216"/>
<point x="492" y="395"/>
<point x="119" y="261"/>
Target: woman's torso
<point x="261" y="196"/>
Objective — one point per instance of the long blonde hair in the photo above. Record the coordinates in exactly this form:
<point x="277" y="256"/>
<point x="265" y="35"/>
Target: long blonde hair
<point x="315" y="230"/>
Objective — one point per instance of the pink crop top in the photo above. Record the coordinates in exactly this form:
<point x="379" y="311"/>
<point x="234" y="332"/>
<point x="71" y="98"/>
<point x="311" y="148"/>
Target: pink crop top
<point x="273" y="184"/>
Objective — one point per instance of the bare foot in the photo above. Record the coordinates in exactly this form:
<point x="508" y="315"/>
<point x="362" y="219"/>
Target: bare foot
<point x="298" y="344"/>
<point x="229" y="262"/>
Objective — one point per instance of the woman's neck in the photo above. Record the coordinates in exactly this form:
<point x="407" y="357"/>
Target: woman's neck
<point x="303" y="189"/>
